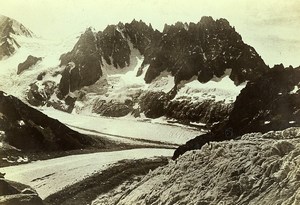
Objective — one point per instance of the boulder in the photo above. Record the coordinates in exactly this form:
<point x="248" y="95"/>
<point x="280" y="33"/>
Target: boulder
<point x="14" y="193"/>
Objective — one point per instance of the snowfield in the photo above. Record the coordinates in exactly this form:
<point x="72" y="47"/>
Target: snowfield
<point x="125" y="127"/>
<point x="50" y="176"/>
<point x="258" y="169"/>
<point x="49" y="50"/>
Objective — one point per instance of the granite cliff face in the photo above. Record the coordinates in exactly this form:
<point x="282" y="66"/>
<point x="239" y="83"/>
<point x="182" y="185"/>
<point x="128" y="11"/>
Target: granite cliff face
<point x="8" y="28"/>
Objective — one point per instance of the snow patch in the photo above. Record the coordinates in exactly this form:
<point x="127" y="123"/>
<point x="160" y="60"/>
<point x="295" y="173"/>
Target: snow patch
<point x="49" y="50"/>
<point x="21" y="122"/>
<point x="218" y="89"/>
<point x="164" y="82"/>
<point x="295" y="90"/>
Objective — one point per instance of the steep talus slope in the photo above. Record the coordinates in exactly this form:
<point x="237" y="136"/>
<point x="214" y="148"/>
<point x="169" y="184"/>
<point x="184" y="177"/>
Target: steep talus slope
<point x="8" y="28"/>
<point x="257" y="169"/>
<point x="272" y="102"/>
<point x="27" y="129"/>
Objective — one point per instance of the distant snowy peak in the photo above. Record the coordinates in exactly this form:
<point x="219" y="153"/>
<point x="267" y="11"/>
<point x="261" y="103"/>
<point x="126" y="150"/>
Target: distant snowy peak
<point x="8" y="28"/>
<point x="9" y="25"/>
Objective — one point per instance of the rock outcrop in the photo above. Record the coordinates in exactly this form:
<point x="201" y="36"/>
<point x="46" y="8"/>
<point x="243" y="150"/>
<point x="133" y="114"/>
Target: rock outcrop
<point x="13" y="193"/>
<point x="83" y="64"/>
<point x="30" y="61"/>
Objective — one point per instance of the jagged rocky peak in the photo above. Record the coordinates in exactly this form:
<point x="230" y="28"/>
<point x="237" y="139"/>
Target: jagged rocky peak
<point x="110" y="47"/>
<point x="140" y="34"/>
<point x="82" y="64"/>
<point x="8" y="28"/>
<point x="9" y="25"/>
<point x="114" y="47"/>
<point x="205" y="50"/>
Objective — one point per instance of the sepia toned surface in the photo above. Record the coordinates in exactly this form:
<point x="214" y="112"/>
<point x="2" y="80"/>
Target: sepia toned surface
<point x="149" y="102"/>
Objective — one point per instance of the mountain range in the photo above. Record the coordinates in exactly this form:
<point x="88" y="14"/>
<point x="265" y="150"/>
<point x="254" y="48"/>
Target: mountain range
<point x="198" y="74"/>
<point x="132" y="69"/>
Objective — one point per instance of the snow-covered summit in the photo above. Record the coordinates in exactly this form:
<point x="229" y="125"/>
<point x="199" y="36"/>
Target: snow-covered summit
<point x="13" y="26"/>
<point x="8" y="29"/>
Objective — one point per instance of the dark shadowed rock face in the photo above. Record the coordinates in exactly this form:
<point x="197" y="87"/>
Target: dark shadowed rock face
<point x="112" y="109"/>
<point x="30" y="130"/>
<point x="206" y="111"/>
<point x="140" y="34"/>
<point x="153" y="104"/>
<point x="8" y="44"/>
<point x="83" y="64"/>
<point x="272" y="102"/>
<point x="204" y="49"/>
<point x="13" y="193"/>
<point x="114" y="47"/>
<point x="157" y="104"/>
<point x="30" y="61"/>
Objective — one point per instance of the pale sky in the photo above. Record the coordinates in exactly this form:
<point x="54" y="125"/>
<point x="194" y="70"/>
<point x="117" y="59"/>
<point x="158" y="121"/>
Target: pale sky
<point x="272" y="27"/>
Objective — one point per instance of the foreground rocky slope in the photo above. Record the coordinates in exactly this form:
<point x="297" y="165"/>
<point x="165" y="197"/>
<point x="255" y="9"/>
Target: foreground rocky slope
<point x="8" y="28"/>
<point x="25" y="130"/>
<point x="272" y="102"/>
<point x="257" y="169"/>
